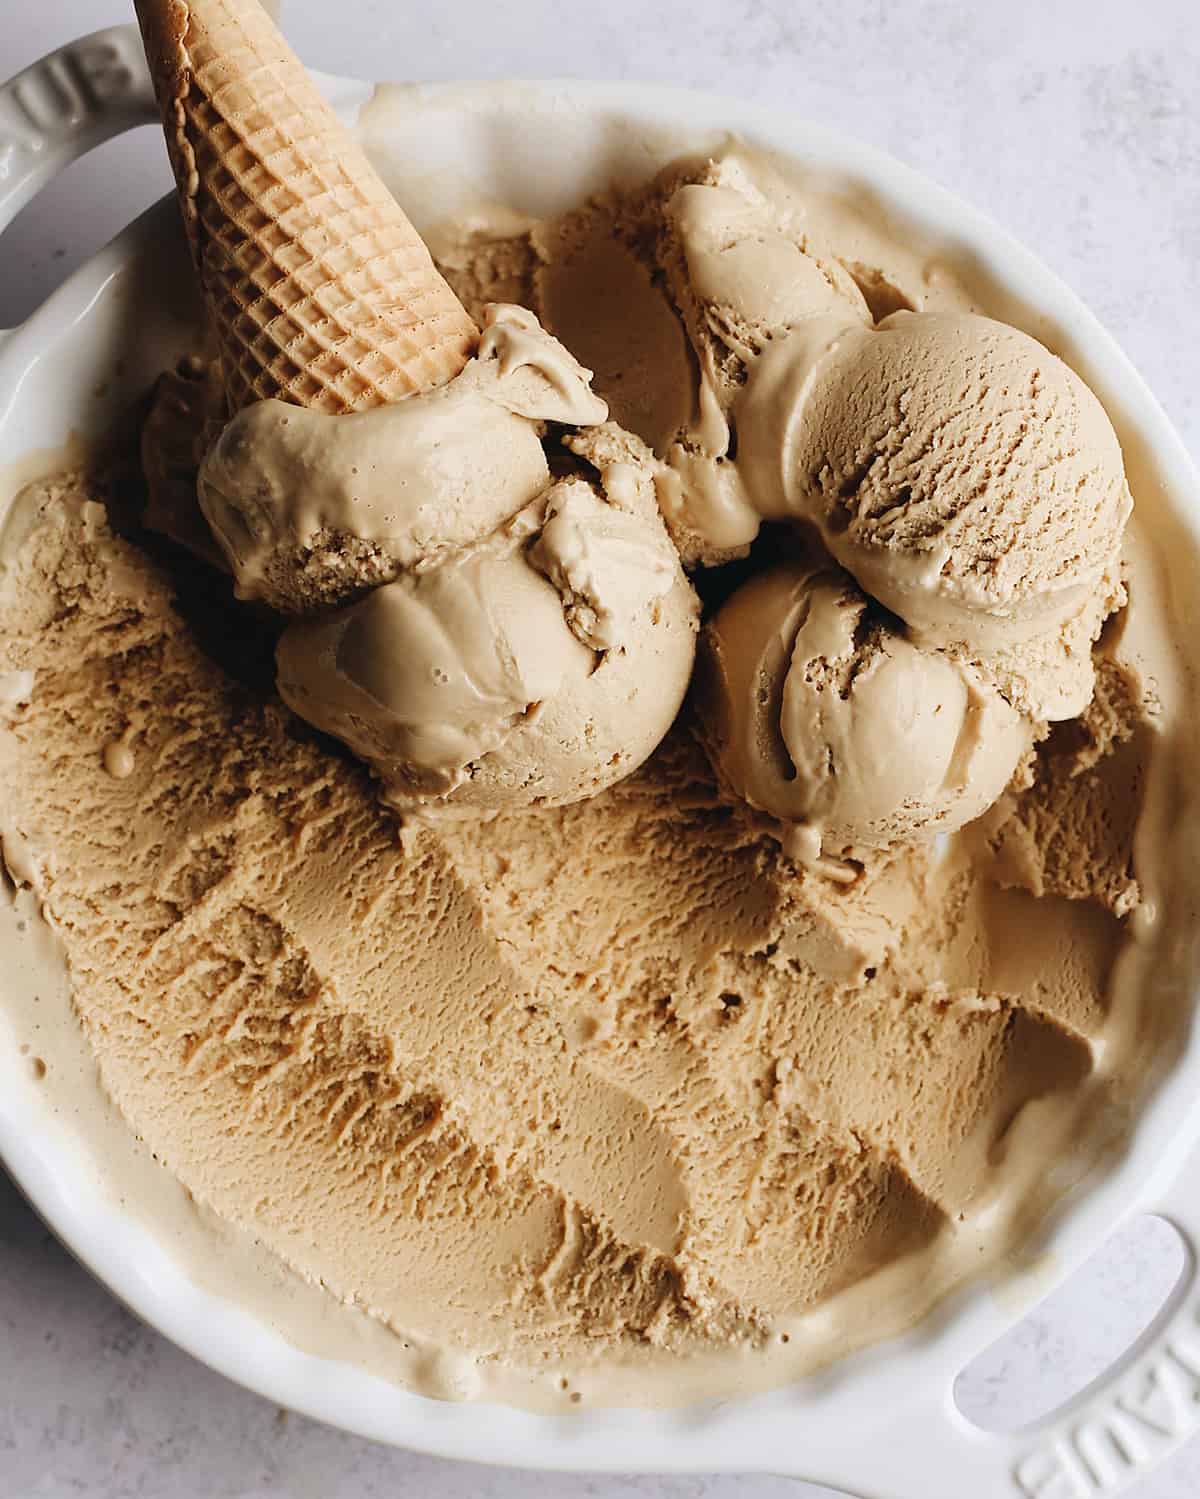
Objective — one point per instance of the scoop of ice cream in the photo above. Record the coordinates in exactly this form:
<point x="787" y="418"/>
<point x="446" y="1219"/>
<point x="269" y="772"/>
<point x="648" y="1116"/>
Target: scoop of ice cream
<point x="748" y="270"/>
<point x="815" y="709"/>
<point x="966" y="477"/>
<point x="540" y="665"/>
<point x="312" y="510"/>
<point x="427" y="674"/>
<point x="742" y="278"/>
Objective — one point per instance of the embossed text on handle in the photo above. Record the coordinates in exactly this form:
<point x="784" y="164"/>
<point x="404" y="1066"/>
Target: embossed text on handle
<point x="61" y="93"/>
<point x="1153" y="1409"/>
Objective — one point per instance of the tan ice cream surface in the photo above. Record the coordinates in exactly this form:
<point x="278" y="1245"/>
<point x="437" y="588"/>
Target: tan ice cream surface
<point x="967" y="478"/>
<point x="816" y="709"/>
<point x="312" y="510"/>
<point x="539" y="665"/>
<point x="610" y="1102"/>
<point x="610" y="1083"/>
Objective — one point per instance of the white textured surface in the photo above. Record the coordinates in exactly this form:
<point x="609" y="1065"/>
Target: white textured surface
<point x="1075" y="124"/>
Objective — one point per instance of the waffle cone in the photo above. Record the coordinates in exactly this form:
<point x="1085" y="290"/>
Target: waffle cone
<point x="320" y="290"/>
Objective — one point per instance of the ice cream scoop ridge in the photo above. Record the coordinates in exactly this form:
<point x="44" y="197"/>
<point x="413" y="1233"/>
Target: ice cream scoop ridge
<point x="750" y="276"/>
<point x="604" y="565"/>
<point x="311" y="510"/>
<point x="536" y="375"/>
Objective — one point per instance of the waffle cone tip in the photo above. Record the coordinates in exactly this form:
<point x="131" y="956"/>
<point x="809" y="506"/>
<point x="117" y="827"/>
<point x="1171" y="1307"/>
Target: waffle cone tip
<point x="319" y="288"/>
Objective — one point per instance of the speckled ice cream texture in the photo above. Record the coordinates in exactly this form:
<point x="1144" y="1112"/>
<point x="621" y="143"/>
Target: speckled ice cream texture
<point x="679" y="1093"/>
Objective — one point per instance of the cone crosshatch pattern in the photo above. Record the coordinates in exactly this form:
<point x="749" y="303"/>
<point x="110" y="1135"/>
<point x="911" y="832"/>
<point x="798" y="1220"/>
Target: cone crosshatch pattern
<point x="320" y="290"/>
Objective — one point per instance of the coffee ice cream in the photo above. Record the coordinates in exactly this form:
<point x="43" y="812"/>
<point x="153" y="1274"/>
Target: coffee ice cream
<point x="539" y="665"/>
<point x="312" y="510"/>
<point x="665" y="1047"/>
<point x="967" y="478"/>
<point x="505" y="635"/>
<point x="816" y="709"/>
<point x="610" y="1100"/>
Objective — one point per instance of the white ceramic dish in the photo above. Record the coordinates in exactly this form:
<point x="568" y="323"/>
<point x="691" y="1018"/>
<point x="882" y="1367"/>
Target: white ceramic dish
<point x="882" y="1424"/>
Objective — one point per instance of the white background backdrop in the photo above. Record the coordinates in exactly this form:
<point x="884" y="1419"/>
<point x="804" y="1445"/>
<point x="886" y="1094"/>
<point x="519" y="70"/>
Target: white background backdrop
<point x="1076" y="124"/>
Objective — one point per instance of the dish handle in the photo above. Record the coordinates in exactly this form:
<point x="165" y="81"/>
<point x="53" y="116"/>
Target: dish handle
<point x="65" y="105"/>
<point x="76" y="98"/>
<point x="1128" y="1420"/>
